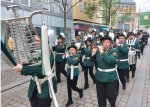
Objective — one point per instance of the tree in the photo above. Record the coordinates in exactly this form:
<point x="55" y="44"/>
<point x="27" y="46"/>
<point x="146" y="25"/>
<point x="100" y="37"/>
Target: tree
<point x="65" y="10"/>
<point x="123" y="19"/>
<point x="109" y="10"/>
<point x="90" y="10"/>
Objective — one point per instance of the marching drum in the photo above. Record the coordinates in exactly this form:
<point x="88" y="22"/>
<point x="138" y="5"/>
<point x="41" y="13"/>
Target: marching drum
<point x="131" y="57"/>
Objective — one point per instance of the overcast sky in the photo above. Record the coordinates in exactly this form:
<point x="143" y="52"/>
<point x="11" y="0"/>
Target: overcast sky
<point x="143" y="4"/>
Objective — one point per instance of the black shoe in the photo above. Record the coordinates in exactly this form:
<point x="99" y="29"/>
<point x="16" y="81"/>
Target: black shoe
<point x="86" y="87"/>
<point x="69" y="103"/>
<point x="58" y="81"/>
<point x="123" y="87"/>
<point x="94" y="81"/>
<point x="81" y="93"/>
<point x="133" y="75"/>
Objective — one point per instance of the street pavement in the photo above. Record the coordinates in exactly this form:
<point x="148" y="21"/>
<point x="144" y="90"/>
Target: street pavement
<point x="137" y="93"/>
<point x="10" y="79"/>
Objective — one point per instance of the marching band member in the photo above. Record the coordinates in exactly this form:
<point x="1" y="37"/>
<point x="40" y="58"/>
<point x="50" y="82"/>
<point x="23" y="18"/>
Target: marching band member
<point x="37" y="98"/>
<point x="93" y="33"/>
<point x="78" y="43"/>
<point x="122" y="65"/>
<point x="133" y="44"/>
<point x="98" y="40"/>
<point x="60" y="48"/>
<point x="73" y="60"/>
<point x="88" y="64"/>
<point x="107" y="83"/>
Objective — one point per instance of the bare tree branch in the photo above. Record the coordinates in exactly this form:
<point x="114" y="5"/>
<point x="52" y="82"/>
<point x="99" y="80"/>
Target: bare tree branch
<point x="73" y="5"/>
<point x="57" y="6"/>
<point x="116" y="8"/>
<point x="63" y="3"/>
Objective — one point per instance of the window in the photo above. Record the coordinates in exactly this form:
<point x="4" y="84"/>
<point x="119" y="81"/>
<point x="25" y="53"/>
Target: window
<point x="45" y="4"/>
<point x="44" y="1"/>
<point x="9" y="1"/>
<point x="25" y="3"/>
<point x="55" y="6"/>
<point x="82" y="4"/>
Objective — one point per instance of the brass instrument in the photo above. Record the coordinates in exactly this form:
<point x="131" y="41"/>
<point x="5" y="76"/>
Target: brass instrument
<point x="22" y="31"/>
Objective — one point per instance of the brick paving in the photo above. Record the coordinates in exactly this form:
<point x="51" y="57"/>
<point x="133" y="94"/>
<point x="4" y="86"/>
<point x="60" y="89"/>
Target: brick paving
<point x="9" y="78"/>
<point x="17" y="97"/>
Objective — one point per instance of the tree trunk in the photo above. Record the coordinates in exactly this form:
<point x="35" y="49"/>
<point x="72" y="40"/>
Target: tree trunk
<point x="65" y="17"/>
<point x="123" y="26"/>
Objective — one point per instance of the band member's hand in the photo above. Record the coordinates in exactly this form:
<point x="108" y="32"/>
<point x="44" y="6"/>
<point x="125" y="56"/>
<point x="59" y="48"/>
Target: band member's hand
<point x="67" y="55"/>
<point x="136" y="49"/>
<point x="101" y="49"/>
<point x="64" y="56"/>
<point x="82" y="46"/>
<point x="18" y="68"/>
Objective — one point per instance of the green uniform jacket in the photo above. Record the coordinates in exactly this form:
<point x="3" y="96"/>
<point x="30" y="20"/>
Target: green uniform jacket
<point x="37" y="71"/>
<point x="106" y="60"/>
<point x="59" y="49"/>
<point x="94" y="38"/>
<point x="88" y="53"/>
<point x="71" y="61"/>
<point x="123" y="54"/>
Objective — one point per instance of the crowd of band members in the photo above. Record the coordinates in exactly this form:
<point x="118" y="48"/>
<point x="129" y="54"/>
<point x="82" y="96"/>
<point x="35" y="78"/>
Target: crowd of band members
<point x="110" y="59"/>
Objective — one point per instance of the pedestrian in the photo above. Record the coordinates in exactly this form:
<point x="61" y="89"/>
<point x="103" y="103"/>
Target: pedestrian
<point x="142" y="41"/>
<point x="107" y="83"/>
<point x="59" y="47"/>
<point x="37" y="98"/>
<point x="73" y="60"/>
<point x="88" y="64"/>
<point x="133" y="44"/>
<point x="122" y="65"/>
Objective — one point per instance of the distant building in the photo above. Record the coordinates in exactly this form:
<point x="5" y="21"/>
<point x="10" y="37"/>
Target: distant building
<point x="82" y="24"/>
<point x="145" y="19"/>
<point x="126" y="16"/>
<point x="53" y="16"/>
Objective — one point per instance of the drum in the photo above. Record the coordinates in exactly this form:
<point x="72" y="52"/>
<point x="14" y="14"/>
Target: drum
<point x="131" y="57"/>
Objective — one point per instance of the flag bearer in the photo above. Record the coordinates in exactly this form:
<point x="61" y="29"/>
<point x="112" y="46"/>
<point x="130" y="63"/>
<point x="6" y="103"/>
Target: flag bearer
<point x="37" y="98"/>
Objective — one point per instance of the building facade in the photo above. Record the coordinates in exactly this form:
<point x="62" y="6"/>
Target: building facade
<point x="82" y="24"/>
<point x="53" y="16"/>
<point x="126" y="16"/>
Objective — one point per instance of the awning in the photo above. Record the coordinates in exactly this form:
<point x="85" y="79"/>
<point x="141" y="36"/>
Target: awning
<point x="107" y="29"/>
<point x="104" y="27"/>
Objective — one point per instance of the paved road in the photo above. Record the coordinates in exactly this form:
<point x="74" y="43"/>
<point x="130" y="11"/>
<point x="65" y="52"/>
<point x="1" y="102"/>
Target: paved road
<point x="137" y="93"/>
<point x="9" y="78"/>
